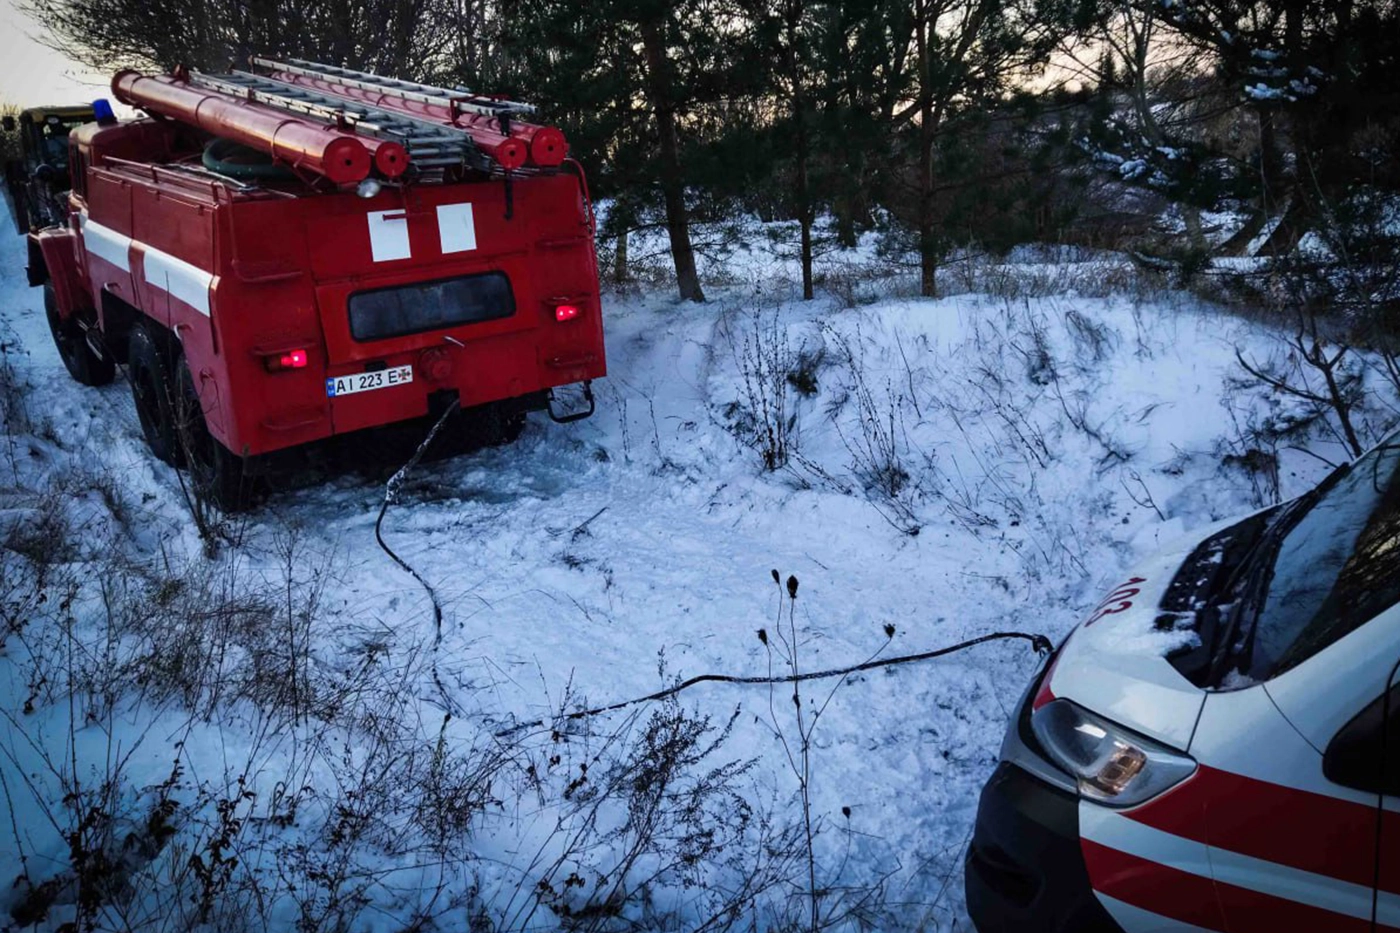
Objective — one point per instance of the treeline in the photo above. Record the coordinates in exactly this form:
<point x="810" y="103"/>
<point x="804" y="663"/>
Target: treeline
<point x="943" y="122"/>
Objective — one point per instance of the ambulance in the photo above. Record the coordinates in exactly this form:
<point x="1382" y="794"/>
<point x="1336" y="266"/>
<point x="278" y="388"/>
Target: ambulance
<point x="1217" y="745"/>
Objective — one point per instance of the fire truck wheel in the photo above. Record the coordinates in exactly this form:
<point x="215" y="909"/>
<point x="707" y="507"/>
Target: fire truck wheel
<point x="148" y="369"/>
<point x="510" y="430"/>
<point x="217" y="474"/>
<point x="82" y="363"/>
<point x="488" y="426"/>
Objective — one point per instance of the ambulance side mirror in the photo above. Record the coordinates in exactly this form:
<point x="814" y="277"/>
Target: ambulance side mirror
<point x="1365" y="754"/>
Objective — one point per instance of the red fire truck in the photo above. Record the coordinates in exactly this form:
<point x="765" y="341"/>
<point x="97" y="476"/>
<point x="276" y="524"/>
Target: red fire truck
<point x="300" y="251"/>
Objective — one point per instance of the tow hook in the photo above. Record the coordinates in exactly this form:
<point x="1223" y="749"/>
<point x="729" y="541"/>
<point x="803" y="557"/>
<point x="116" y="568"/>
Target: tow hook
<point x="577" y="415"/>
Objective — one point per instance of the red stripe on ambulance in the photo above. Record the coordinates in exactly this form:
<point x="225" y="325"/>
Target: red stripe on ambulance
<point x="1153" y="886"/>
<point x="1301" y="829"/>
<point x="1199" y="901"/>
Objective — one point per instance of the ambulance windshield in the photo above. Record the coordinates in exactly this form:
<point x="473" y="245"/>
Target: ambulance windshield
<point x="1324" y="567"/>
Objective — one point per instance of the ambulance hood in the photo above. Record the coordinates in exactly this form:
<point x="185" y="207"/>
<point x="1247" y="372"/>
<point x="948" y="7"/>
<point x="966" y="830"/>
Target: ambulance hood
<point x="1115" y="663"/>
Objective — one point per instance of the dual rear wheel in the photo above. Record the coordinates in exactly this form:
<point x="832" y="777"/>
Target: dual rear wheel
<point x="172" y="420"/>
<point x="172" y="417"/>
<point x="167" y="403"/>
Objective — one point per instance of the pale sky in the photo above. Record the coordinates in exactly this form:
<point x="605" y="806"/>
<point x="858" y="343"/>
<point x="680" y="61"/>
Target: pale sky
<point x="31" y="73"/>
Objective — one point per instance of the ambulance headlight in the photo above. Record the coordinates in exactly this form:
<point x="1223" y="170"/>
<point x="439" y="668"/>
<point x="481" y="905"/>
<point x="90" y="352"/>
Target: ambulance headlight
<point x="1112" y="765"/>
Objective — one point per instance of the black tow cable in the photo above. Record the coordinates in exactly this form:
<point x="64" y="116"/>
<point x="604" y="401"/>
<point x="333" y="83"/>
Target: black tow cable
<point x="1041" y="644"/>
<point x="391" y="492"/>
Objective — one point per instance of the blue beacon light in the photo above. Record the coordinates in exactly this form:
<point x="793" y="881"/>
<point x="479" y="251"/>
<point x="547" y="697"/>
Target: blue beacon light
<point x="102" y="111"/>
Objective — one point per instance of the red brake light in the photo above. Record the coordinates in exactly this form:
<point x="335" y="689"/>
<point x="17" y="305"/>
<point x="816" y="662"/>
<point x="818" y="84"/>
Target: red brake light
<point x="566" y="312"/>
<point x="276" y="361"/>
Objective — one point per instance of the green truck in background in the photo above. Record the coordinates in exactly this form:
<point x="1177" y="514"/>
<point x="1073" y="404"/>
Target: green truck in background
<point x="36" y="163"/>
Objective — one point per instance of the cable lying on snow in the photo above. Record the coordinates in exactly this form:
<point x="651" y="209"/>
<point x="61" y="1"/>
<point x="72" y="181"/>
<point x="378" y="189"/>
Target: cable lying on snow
<point x="1040" y="643"/>
<point x="391" y="492"/>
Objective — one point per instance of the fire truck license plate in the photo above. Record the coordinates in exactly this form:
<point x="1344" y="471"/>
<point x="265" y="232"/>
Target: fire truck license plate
<point x="365" y="382"/>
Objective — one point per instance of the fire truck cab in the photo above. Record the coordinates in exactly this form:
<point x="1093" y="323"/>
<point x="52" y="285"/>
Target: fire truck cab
<point x="261" y="300"/>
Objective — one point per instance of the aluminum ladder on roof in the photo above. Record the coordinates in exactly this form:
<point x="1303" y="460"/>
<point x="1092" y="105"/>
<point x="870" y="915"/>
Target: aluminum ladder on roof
<point x="457" y="99"/>
<point x="429" y="144"/>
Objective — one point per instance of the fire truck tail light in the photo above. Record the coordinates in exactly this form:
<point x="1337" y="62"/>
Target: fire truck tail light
<point x="1112" y="765"/>
<point x="566" y="312"/>
<point x="292" y="359"/>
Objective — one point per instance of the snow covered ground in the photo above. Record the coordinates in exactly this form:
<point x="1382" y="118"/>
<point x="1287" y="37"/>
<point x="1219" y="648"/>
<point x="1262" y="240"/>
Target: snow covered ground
<point x="947" y="467"/>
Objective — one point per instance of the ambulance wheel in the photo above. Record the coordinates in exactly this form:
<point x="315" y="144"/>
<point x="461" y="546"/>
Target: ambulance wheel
<point x="82" y="363"/>
<point x="148" y="369"/>
<point x="217" y="474"/>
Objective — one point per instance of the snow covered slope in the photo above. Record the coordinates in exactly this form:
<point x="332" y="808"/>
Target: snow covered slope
<point x="947" y="467"/>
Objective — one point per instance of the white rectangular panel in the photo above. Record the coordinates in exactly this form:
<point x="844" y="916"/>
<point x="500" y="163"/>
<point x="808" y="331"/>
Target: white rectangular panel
<point x="456" y="228"/>
<point x="388" y="235"/>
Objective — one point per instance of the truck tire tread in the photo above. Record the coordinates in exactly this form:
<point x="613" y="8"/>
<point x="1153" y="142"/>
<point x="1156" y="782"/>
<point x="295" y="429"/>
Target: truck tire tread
<point x="84" y="365"/>
<point x="149" y="369"/>
<point x="217" y="474"/>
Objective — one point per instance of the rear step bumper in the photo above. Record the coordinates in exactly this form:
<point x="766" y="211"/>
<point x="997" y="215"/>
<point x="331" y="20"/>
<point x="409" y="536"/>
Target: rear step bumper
<point x="578" y="415"/>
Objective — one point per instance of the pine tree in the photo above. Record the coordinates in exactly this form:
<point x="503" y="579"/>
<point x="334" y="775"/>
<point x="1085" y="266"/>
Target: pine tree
<point x="631" y="81"/>
<point x="781" y="40"/>
<point x="968" y="54"/>
<point x="397" y="37"/>
<point x="1317" y="73"/>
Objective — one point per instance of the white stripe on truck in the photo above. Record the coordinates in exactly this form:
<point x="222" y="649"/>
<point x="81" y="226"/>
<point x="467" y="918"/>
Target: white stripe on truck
<point x="171" y="274"/>
<point x="106" y="243"/>
<point x="178" y="279"/>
